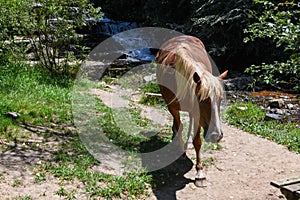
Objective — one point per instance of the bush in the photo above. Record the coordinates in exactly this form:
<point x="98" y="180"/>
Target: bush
<point x="48" y="28"/>
<point x="280" y="22"/>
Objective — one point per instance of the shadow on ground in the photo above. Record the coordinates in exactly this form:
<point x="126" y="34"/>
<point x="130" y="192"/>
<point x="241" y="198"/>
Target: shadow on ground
<point x="41" y="146"/>
<point x="168" y="180"/>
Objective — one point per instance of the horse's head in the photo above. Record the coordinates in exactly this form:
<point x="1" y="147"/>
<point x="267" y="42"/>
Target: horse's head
<point x="209" y="93"/>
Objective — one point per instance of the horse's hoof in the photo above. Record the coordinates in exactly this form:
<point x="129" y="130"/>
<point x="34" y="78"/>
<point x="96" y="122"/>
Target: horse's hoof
<point x="201" y="182"/>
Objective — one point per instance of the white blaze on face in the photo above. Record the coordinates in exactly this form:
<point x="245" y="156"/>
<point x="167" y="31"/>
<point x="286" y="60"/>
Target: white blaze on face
<point x="214" y="132"/>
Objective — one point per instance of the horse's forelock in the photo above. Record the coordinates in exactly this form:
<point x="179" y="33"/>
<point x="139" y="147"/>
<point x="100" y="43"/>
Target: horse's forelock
<point x="210" y="86"/>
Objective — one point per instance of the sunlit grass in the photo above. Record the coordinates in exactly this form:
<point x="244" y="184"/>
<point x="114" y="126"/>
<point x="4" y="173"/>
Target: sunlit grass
<point x="251" y="118"/>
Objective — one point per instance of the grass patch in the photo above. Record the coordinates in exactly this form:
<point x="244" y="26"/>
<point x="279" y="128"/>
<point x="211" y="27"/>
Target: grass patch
<point x="124" y="134"/>
<point x="151" y="100"/>
<point x="77" y="165"/>
<point x="17" y="183"/>
<point x="45" y="101"/>
<point x="38" y="97"/>
<point x="62" y="192"/>
<point x="25" y="197"/>
<point x="251" y="118"/>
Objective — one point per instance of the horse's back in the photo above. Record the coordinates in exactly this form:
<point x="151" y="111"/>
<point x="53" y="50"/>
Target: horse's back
<point x="194" y="47"/>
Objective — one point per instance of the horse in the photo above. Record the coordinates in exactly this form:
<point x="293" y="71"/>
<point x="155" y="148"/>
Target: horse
<point x="186" y="82"/>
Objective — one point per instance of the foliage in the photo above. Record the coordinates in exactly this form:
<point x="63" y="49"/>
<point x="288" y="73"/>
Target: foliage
<point x="45" y="100"/>
<point x="281" y="23"/>
<point x="219" y="24"/>
<point x="249" y="117"/>
<point x="46" y="28"/>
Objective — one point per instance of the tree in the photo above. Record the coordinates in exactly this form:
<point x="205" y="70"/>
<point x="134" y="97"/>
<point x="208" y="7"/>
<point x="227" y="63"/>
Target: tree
<point x="279" y="22"/>
<point x="49" y="26"/>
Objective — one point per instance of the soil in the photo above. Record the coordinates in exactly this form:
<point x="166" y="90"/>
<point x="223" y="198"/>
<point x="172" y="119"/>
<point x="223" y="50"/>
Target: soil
<point x="242" y="169"/>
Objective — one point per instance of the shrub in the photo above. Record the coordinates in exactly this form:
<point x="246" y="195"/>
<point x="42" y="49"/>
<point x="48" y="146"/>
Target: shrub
<point x="280" y="22"/>
<point x="48" y="28"/>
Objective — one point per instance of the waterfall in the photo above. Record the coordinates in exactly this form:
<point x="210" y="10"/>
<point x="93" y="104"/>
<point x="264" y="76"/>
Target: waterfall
<point x="109" y="28"/>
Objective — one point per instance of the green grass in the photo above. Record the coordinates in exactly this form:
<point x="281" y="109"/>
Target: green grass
<point x="151" y="87"/>
<point x="251" y="118"/>
<point x="17" y="182"/>
<point x="25" y="197"/>
<point x="44" y="100"/>
<point x="31" y="92"/>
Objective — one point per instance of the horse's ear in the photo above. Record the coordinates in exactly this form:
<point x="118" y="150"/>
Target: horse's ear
<point x="196" y="78"/>
<point x="223" y="75"/>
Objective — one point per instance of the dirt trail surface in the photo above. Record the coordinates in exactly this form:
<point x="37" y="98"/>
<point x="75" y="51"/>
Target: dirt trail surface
<point x="241" y="170"/>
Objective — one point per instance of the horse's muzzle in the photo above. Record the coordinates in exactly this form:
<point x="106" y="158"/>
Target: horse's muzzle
<point x="213" y="137"/>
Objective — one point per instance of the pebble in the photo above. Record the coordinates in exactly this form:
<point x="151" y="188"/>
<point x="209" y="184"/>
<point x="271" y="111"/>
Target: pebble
<point x="279" y="111"/>
<point x="284" y="97"/>
<point x="289" y="106"/>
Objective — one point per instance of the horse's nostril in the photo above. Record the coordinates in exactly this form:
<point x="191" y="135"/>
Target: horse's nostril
<point x="220" y="137"/>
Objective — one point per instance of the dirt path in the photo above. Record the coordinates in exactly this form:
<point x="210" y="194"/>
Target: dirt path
<point x="242" y="169"/>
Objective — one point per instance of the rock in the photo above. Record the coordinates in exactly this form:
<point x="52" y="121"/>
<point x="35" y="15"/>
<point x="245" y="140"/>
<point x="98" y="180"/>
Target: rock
<point x="284" y="97"/>
<point x="271" y="116"/>
<point x="150" y="78"/>
<point x="276" y="103"/>
<point x="289" y="106"/>
<point x="242" y="108"/>
<point x="279" y="111"/>
<point x="13" y="115"/>
<point x="269" y="98"/>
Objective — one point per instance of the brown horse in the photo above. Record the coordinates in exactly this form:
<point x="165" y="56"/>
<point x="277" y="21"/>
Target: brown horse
<point x="186" y="82"/>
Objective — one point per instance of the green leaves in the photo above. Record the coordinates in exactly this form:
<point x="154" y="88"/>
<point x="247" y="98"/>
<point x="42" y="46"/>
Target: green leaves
<point x="49" y="26"/>
<point x="279" y="22"/>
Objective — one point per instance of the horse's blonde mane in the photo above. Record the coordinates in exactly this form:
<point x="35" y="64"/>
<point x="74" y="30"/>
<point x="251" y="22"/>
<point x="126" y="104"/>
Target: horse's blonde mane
<point x="186" y="66"/>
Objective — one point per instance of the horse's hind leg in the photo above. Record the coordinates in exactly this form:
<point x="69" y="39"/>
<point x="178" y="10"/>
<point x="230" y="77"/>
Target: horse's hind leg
<point x="200" y="179"/>
<point x="177" y="127"/>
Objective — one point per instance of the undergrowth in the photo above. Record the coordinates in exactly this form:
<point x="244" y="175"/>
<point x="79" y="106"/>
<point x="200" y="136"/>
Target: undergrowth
<point x="251" y="118"/>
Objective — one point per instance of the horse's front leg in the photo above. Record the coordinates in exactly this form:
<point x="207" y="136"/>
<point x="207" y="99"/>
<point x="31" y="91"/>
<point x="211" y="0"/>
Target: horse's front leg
<point x="200" y="179"/>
